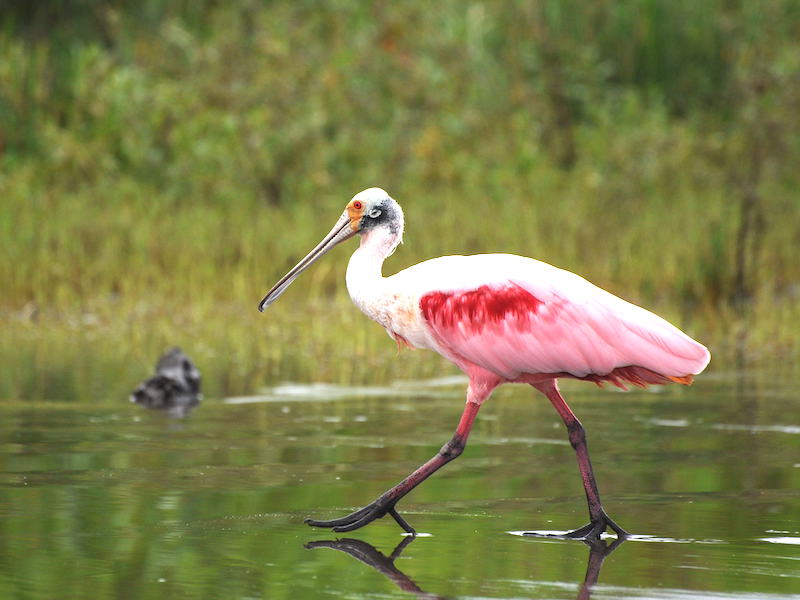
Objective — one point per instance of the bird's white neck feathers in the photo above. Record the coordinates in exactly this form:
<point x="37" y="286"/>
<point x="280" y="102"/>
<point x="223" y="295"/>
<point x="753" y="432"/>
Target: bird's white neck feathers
<point x="364" y="271"/>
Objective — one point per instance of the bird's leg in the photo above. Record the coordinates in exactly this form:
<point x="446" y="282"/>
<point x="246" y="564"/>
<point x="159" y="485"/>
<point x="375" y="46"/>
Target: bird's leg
<point x="599" y="520"/>
<point x="385" y="504"/>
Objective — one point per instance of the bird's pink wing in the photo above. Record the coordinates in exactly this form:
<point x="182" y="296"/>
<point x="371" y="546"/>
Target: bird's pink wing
<point x="524" y="325"/>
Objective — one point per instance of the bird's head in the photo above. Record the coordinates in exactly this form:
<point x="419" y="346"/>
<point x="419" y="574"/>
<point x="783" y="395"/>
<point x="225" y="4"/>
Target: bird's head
<point x="374" y="208"/>
<point x="370" y="211"/>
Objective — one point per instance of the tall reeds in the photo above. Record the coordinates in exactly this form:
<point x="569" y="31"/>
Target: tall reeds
<point x="163" y="162"/>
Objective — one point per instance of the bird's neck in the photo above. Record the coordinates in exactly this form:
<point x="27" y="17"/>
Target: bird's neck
<point x="364" y="271"/>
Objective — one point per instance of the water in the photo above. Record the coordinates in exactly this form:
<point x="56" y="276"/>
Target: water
<point x="100" y="498"/>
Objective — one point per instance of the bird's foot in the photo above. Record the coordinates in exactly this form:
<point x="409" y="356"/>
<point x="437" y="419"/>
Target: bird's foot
<point x="592" y="530"/>
<point x="589" y="532"/>
<point x="364" y="516"/>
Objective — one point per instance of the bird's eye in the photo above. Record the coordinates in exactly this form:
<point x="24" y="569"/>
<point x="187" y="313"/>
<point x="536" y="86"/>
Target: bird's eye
<point x="375" y="213"/>
<point x="357" y="205"/>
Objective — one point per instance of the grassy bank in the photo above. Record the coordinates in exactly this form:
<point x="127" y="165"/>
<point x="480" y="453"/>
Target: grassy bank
<point x="160" y="169"/>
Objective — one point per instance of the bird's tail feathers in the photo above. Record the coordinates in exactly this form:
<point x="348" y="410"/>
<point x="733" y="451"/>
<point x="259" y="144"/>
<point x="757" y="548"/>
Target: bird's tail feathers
<point x="635" y="375"/>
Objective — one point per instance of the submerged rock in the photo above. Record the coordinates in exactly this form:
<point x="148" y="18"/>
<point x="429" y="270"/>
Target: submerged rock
<point x="174" y="388"/>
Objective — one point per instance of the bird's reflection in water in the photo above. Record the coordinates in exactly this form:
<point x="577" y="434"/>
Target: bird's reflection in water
<point x="369" y="555"/>
<point x="598" y="551"/>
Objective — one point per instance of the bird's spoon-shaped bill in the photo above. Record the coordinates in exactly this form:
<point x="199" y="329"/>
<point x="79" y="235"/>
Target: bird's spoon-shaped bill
<point x="343" y="230"/>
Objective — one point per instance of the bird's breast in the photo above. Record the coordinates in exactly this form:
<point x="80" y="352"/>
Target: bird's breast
<point x="399" y="314"/>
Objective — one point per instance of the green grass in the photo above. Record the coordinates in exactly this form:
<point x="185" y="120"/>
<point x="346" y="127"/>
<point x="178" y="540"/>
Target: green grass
<point x="160" y="167"/>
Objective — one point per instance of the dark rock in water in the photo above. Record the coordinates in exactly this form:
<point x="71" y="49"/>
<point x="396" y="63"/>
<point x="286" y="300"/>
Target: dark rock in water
<point x="175" y="365"/>
<point x="174" y="388"/>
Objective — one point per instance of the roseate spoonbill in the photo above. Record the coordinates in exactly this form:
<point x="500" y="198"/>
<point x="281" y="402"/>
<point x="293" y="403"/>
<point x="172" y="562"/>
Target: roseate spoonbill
<point x="500" y="318"/>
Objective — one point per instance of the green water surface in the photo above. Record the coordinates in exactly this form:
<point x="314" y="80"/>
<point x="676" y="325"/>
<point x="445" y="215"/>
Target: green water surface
<point x="100" y="498"/>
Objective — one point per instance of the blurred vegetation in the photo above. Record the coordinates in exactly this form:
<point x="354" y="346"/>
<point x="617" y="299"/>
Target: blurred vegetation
<point x="162" y="163"/>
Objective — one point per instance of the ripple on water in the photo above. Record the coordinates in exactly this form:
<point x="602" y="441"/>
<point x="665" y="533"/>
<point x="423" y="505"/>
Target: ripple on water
<point x="544" y="534"/>
<point x="793" y="429"/>
<point x="601" y="591"/>
<point x="316" y="392"/>
<point x="792" y="541"/>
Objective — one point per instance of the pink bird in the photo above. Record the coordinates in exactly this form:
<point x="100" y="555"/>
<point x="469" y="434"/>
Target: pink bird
<point x="500" y="318"/>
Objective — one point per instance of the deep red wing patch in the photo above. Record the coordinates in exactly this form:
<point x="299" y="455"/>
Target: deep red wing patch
<point x="479" y="307"/>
